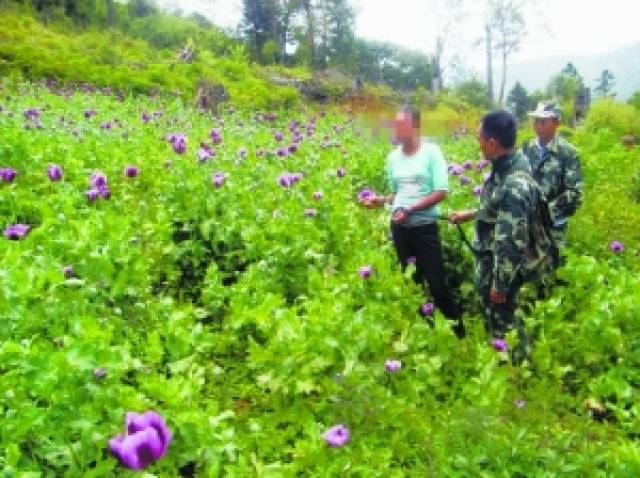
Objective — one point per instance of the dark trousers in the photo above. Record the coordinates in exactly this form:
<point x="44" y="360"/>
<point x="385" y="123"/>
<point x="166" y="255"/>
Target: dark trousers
<point x="423" y="243"/>
<point x="501" y="318"/>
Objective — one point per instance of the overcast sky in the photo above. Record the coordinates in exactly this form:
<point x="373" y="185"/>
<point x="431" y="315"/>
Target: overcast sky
<point x="579" y="27"/>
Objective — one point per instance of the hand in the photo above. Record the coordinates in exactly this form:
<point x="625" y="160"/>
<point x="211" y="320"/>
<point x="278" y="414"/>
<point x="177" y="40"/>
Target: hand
<point x="461" y="216"/>
<point x="400" y="216"/>
<point x="497" y="297"/>
<point x="373" y="202"/>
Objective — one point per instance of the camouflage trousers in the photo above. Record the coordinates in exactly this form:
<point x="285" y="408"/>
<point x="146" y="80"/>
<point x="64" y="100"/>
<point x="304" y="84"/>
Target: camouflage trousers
<point x="501" y="318"/>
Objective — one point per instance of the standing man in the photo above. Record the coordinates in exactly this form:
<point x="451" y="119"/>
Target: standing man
<point x="555" y="165"/>
<point x="502" y="227"/>
<point x="417" y="175"/>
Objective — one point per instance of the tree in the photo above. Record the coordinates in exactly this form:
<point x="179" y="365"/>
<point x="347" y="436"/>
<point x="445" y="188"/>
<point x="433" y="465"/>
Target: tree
<point x="519" y="101"/>
<point x="507" y="31"/>
<point x="260" y="24"/>
<point x="142" y="8"/>
<point x="474" y="92"/>
<point x="563" y="87"/>
<point x="605" y="84"/>
<point x="111" y="12"/>
<point x="635" y="100"/>
<point x="572" y="71"/>
<point x="452" y="14"/>
<point x="336" y="34"/>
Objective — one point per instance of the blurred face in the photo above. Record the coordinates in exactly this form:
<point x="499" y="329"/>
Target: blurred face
<point x="545" y="128"/>
<point x="404" y="127"/>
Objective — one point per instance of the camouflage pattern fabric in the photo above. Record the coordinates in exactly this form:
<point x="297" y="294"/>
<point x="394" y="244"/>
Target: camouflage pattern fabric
<point x="502" y="237"/>
<point x="557" y="170"/>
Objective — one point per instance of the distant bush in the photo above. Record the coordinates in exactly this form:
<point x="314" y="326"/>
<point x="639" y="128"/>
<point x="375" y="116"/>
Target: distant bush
<point x="109" y="58"/>
<point x="619" y="118"/>
<point x="635" y="100"/>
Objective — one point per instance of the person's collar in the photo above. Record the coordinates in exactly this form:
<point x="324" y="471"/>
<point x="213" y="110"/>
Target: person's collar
<point x="503" y="161"/>
<point x="539" y="143"/>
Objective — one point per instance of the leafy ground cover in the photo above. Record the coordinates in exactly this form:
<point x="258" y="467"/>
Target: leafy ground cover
<point x="221" y="272"/>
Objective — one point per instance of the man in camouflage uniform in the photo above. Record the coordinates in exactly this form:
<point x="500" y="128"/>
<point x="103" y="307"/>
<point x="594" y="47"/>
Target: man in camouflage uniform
<point x="555" y="165"/>
<point x="502" y="226"/>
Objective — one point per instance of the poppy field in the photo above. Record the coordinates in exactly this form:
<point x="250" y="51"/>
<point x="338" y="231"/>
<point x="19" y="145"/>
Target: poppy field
<point x="200" y="295"/>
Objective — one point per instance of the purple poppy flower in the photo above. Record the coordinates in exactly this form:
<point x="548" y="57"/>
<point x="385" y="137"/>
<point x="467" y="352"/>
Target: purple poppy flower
<point x="282" y="152"/>
<point x="455" y="169"/>
<point x="68" y="272"/>
<point x="179" y="143"/>
<point x="366" y="194"/>
<point x="616" y="246"/>
<point x="105" y="192"/>
<point x="318" y="195"/>
<point x="483" y="163"/>
<point x="92" y="194"/>
<point x="293" y="148"/>
<point x="242" y="152"/>
<point x="218" y="179"/>
<point x="15" y="232"/>
<point x="146" y="117"/>
<point x="285" y="180"/>
<point x="477" y="190"/>
<point x="106" y="125"/>
<point x="32" y="113"/>
<point x="411" y="260"/>
<point x="365" y="271"/>
<point x="467" y="165"/>
<point x="7" y="174"/>
<point x="145" y="442"/>
<point x="427" y="309"/>
<point x="89" y="113"/>
<point x="204" y="154"/>
<point x="464" y="180"/>
<point x="310" y="212"/>
<point x="519" y="403"/>
<point x="500" y="345"/>
<point x="131" y="171"/>
<point x="341" y="172"/>
<point x="98" y="179"/>
<point x="337" y="436"/>
<point x="99" y="372"/>
<point x="392" y="365"/>
<point x="271" y="116"/>
<point x="215" y="133"/>
<point x="278" y="136"/>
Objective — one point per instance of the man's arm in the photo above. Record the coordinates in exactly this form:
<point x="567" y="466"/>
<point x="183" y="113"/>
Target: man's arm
<point x="429" y="200"/>
<point x="570" y="199"/>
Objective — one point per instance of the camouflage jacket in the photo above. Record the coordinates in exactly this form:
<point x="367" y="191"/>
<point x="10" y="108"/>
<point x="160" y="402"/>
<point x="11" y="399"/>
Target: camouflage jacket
<point x="502" y="219"/>
<point x="563" y="192"/>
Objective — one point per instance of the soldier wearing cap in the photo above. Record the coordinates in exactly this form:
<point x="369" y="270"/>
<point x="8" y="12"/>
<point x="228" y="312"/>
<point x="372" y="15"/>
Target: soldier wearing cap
<point x="555" y="165"/>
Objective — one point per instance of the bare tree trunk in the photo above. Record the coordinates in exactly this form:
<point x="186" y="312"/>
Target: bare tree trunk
<point x="111" y="14"/>
<point x="489" y="62"/>
<point x="308" y="9"/>
<point x="504" y="76"/>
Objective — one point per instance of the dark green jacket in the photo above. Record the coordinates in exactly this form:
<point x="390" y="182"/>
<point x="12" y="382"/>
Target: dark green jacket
<point x="502" y="220"/>
<point x="558" y="174"/>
